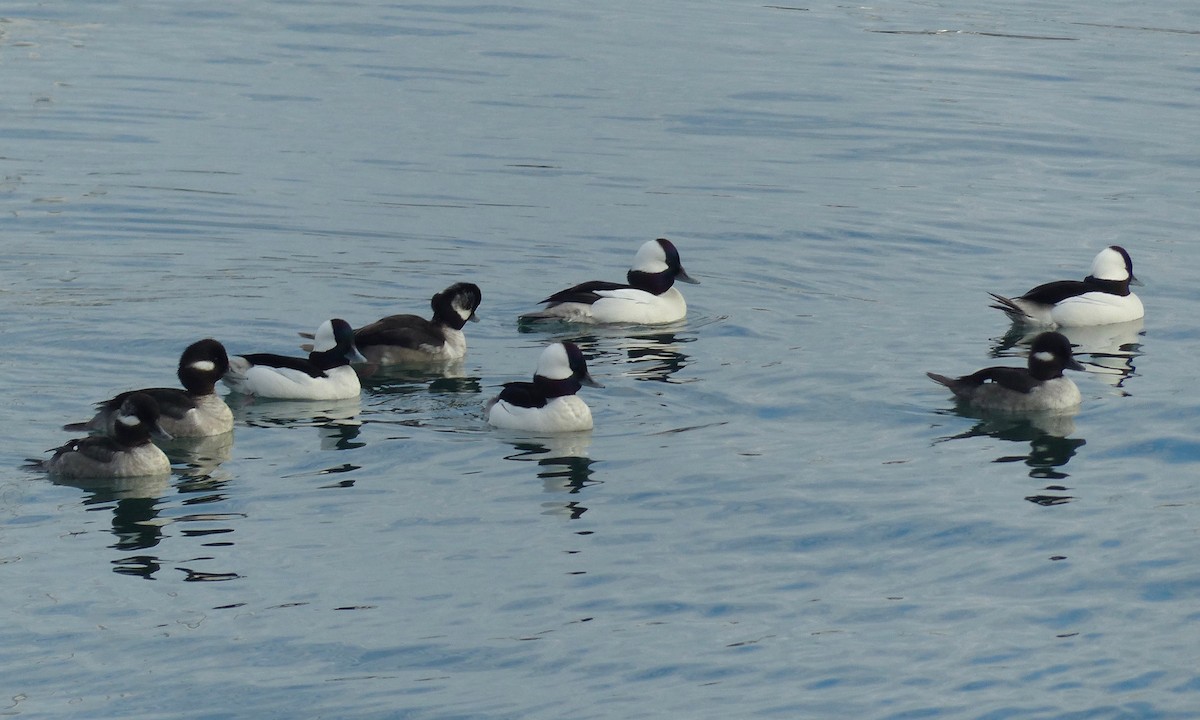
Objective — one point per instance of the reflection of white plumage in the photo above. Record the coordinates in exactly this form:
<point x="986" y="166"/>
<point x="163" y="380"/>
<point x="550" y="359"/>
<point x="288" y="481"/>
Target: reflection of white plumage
<point x="649" y="298"/>
<point x="324" y="375"/>
<point x="1102" y="297"/>
<point x="1107" y="351"/>
<point x="549" y="403"/>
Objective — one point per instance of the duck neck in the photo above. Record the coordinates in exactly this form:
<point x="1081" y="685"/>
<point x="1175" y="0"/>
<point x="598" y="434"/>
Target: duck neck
<point x="653" y="283"/>
<point x="329" y="359"/>
<point x="1113" y="287"/>
<point x="556" y="388"/>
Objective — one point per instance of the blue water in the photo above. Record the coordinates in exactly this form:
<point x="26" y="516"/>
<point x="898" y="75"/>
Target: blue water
<point x="777" y="514"/>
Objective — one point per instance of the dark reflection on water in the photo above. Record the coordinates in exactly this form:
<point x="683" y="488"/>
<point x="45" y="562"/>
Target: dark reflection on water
<point x="1107" y="351"/>
<point x="1050" y="448"/>
<point x="563" y="466"/>
<point x="405" y="380"/>
<point x="652" y="355"/>
<point x="336" y="421"/>
<point x="137" y="504"/>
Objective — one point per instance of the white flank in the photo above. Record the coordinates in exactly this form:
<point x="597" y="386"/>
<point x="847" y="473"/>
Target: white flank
<point x="562" y="414"/>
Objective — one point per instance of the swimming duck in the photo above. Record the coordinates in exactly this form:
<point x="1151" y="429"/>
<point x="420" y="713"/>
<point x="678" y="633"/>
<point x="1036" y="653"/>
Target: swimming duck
<point x="195" y="411"/>
<point x="398" y="339"/>
<point x="649" y="297"/>
<point x="127" y="452"/>
<point x="324" y="375"/>
<point x="549" y="403"/>
<point x="1101" y="298"/>
<point x="1039" y="387"/>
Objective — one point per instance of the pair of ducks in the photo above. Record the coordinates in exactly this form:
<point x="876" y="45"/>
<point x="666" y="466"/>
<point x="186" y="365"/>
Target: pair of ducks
<point x="123" y="428"/>
<point x="1102" y="298"/>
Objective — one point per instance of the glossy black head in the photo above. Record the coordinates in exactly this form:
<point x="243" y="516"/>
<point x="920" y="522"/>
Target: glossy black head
<point x="455" y="305"/>
<point x="1049" y="355"/>
<point x="343" y="336"/>
<point x="336" y="338"/>
<point x="136" y="420"/>
<point x="656" y="267"/>
<point x="579" y="365"/>
<point x="673" y="262"/>
<point x="202" y="365"/>
<point x="1128" y="263"/>
<point x="561" y="370"/>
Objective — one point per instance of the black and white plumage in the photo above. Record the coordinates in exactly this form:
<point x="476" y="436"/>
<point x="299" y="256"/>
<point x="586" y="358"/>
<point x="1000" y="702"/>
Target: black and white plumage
<point x="195" y="411"/>
<point x="1040" y="387"/>
<point x="126" y="452"/>
<point x="549" y="404"/>
<point x="400" y="339"/>
<point x="1101" y="298"/>
<point x="648" y="298"/>
<point x="324" y="375"/>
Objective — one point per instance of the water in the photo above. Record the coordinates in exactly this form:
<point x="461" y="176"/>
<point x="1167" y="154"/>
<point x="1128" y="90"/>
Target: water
<point x="777" y="515"/>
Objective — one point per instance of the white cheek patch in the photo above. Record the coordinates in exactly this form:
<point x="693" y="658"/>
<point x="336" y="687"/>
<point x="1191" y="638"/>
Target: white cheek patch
<point x="129" y="420"/>
<point x="204" y="365"/>
<point x="464" y="313"/>
<point x="1044" y="356"/>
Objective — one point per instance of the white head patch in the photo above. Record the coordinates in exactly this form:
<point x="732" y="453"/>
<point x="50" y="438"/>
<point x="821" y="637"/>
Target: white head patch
<point x="463" y="310"/>
<point x="650" y="258"/>
<point x="1109" y="265"/>
<point x="323" y="339"/>
<point x="1044" y="356"/>
<point x="554" y="363"/>
<point x="204" y="365"/>
<point x="129" y="420"/>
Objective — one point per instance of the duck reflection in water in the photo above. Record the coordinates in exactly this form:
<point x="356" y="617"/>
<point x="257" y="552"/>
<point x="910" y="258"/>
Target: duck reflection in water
<point x="1050" y="448"/>
<point x="1107" y="351"/>
<point x="410" y="380"/>
<point x="135" y="504"/>
<point x="650" y="355"/>
<point x="201" y="455"/>
<point x="336" y="421"/>
<point x="563" y="466"/>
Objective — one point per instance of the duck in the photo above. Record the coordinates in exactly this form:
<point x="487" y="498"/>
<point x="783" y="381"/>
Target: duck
<point x="195" y="411"/>
<point x="549" y="404"/>
<point x="126" y="452"/>
<point x="1041" y="387"/>
<point x="325" y="374"/>
<point x="1103" y="297"/>
<point x="648" y="298"/>
<point x="405" y="339"/>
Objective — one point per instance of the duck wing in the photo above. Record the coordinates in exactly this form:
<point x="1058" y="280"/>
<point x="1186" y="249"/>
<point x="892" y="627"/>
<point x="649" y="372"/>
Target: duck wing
<point x="586" y="293"/>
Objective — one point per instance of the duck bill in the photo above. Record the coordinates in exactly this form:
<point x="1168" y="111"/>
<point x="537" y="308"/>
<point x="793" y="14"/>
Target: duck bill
<point x="682" y="276"/>
<point x="1073" y="364"/>
<point x="355" y="356"/>
<point x="157" y="432"/>
<point x="587" y="380"/>
<point x="473" y="318"/>
<point x="1134" y="281"/>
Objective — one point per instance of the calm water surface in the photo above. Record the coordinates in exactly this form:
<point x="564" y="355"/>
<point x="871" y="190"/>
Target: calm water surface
<point x="777" y="514"/>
